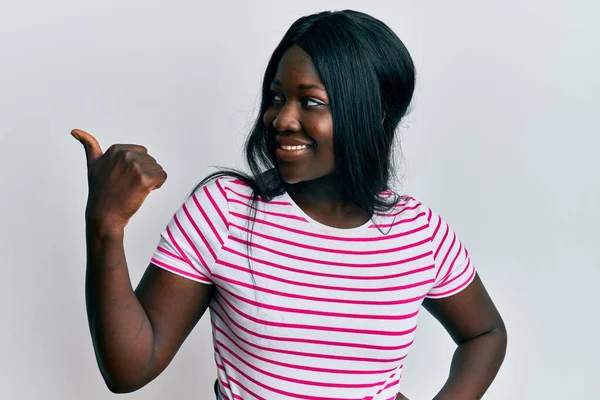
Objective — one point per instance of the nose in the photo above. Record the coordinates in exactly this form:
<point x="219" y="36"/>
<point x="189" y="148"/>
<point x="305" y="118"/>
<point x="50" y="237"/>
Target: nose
<point x="287" y="119"/>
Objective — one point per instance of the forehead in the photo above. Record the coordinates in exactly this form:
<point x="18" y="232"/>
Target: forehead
<point x="296" y="64"/>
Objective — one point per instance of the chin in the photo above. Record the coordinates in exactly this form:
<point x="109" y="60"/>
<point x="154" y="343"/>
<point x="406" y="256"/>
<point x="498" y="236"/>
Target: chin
<point x="291" y="176"/>
<point x="291" y="179"/>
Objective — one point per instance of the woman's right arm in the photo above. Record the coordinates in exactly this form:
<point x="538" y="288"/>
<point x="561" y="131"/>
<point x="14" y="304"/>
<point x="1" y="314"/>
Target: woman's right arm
<point x="135" y="333"/>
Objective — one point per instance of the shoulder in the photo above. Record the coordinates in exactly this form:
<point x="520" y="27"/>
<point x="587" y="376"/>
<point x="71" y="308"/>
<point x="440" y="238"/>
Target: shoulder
<point x="212" y="200"/>
<point x="410" y="213"/>
<point x="230" y="196"/>
<point x="224" y="188"/>
<point x="405" y="206"/>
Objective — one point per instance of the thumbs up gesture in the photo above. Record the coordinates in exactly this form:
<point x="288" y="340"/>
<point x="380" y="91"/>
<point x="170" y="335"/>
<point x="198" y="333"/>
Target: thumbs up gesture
<point x="119" y="180"/>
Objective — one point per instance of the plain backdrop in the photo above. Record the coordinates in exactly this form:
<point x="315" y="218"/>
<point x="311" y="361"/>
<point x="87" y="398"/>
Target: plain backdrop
<point x="502" y="141"/>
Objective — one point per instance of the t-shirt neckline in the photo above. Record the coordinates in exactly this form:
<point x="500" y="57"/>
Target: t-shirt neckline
<point x="322" y="227"/>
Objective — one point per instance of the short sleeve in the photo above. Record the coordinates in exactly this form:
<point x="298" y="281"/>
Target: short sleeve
<point x="453" y="266"/>
<point x="190" y="244"/>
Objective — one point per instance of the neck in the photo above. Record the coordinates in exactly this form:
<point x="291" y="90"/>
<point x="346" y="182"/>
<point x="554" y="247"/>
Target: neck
<point x="323" y="195"/>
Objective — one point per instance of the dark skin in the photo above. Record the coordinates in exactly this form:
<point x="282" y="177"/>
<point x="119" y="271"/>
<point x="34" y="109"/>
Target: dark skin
<point x="136" y="333"/>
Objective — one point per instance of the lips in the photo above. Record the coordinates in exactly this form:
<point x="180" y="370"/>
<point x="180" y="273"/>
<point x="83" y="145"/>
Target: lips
<point x="291" y="141"/>
<point x="292" y="149"/>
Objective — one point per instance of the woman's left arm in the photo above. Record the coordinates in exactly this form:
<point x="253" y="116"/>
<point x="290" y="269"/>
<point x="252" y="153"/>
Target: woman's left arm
<point x="475" y="325"/>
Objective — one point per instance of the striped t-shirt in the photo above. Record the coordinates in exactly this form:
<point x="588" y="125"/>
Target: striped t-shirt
<point x="320" y="312"/>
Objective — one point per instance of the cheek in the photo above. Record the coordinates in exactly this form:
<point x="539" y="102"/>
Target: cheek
<point x="323" y="133"/>
<point x="267" y="119"/>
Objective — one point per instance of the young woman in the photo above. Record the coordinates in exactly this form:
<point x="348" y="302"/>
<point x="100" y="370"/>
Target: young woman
<point x="313" y="269"/>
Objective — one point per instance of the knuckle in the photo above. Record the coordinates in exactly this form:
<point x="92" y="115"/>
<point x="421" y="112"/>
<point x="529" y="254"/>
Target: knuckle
<point x="113" y="149"/>
<point x="147" y="181"/>
<point x="128" y="155"/>
<point x="139" y="178"/>
<point x="137" y="167"/>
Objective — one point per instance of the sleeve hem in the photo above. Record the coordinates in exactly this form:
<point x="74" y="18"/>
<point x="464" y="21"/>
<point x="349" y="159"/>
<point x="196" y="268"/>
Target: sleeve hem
<point x="180" y="272"/>
<point x="455" y="290"/>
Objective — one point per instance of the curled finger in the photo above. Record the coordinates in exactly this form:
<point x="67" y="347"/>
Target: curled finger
<point x="158" y="178"/>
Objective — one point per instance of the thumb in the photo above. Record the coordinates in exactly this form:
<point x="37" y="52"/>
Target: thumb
<point x="93" y="151"/>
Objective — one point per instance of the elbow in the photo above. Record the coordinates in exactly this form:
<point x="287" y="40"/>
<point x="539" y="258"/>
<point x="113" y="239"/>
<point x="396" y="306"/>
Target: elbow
<point x="121" y="384"/>
<point x="121" y="387"/>
<point x="123" y="376"/>
<point x="499" y="341"/>
<point x="119" y="390"/>
<point x="504" y="340"/>
<point x="502" y="334"/>
<point x="494" y="340"/>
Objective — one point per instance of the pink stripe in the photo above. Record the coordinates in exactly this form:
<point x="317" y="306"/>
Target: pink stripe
<point x="170" y="254"/>
<point x="437" y="228"/>
<point x="439" y="248"/>
<point x="328" y="287"/>
<point x="239" y="384"/>
<point x="320" y="236"/>
<point x="317" y="327"/>
<point x="393" y="383"/>
<point x="389" y="385"/>
<point x="457" y="289"/>
<point x="468" y="264"/>
<point x="450" y="248"/>
<point x="217" y="208"/>
<point x="179" y="271"/>
<point x="339" y="251"/>
<point x="191" y="244"/>
<point x="239" y="182"/>
<point x="402" y="221"/>
<point x="275" y="214"/>
<point x="312" y="260"/>
<point x="224" y="194"/>
<point x="303" y="353"/>
<point x="329" y="275"/>
<point x="402" y="210"/>
<point x="320" y="313"/>
<point x="296" y="366"/>
<point x="317" y="299"/>
<point x="449" y="273"/>
<point x="176" y="245"/>
<point x="279" y="391"/>
<point x="200" y="234"/>
<point x="243" y="196"/>
<point x="360" y="345"/>
<point x="207" y="218"/>
<point x="299" y="381"/>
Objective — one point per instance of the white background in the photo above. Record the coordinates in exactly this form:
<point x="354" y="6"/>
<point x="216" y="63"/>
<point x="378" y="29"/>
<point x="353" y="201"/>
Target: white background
<point x="502" y="142"/>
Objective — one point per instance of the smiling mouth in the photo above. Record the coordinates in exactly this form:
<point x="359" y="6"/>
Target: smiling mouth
<point x="294" y="148"/>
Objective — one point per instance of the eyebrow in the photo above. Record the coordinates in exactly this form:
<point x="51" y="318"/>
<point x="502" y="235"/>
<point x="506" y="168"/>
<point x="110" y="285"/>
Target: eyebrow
<point x="302" y="86"/>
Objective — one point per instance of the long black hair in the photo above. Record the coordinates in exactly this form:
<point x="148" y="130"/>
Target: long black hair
<point x="369" y="77"/>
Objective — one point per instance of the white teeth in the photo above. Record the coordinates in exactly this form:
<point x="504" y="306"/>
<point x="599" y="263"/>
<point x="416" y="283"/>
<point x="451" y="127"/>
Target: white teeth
<point x="304" y="146"/>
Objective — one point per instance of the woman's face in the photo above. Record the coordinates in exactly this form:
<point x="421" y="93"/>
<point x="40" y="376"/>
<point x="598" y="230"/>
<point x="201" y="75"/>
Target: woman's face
<point x="298" y="120"/>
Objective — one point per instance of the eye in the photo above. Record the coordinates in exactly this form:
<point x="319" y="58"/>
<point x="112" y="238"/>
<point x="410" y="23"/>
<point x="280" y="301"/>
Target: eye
<point x="275" y="98"/>
<point x="311" y="103"/>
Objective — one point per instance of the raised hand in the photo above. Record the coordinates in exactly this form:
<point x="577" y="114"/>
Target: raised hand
<point x="119" y="180"/>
